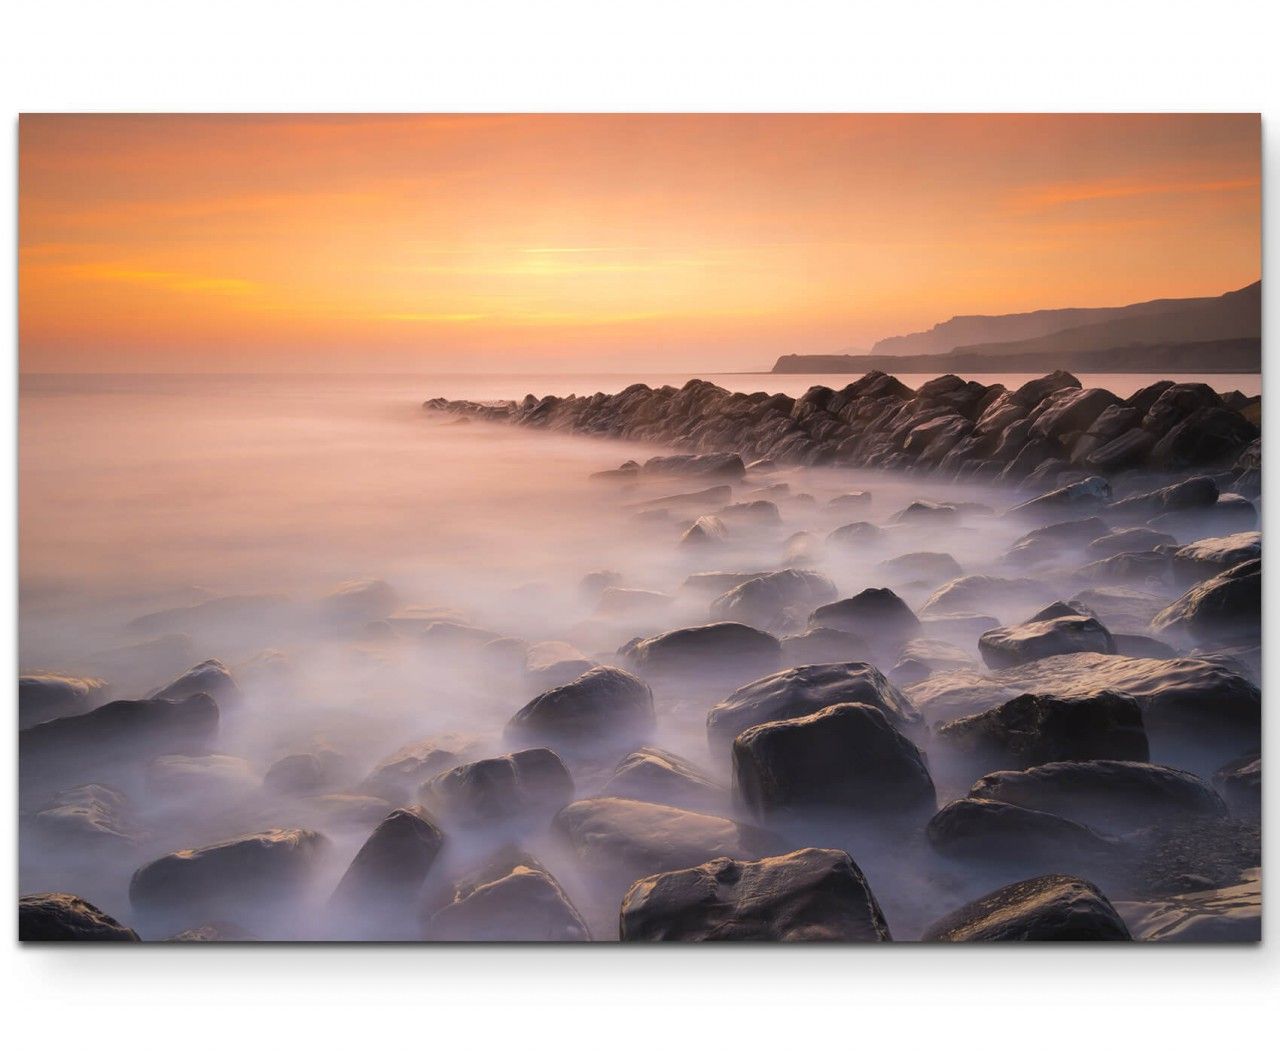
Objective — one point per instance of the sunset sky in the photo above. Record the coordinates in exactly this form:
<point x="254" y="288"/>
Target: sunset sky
<point x="566" y="243"/>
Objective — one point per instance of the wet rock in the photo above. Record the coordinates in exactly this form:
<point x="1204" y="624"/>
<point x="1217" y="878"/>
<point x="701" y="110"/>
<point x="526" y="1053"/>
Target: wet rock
<point x="604" y="705"/>
<point x="1111" y="796"/>
<point x="922" y="657"/>
<point x="1075" y="500"/>
<point x="90" y="814"/>
<point x="513" y="898"/>
<point x="761" y="601"/>
<point x="715" y="583"/>
<point x="211" y="678"/>
<point x="1055" y="541"/>
<point x="752" y="514"/>
<point x="930" y="513"/>
<point x="823" y="645"/>
<point x="617" y="602"/>
<point x="1034" y="392"/>
<point x="808" y="895"/>
<point x="1073" y="411"/>
<point x="217" y="776"/>
<point x="1195" y="700"/>
<point x="1198" y="492"/>
<point x="855" y="537"/>
<point x="66" y="917"/>
<point x="708" y="652"/>
<point x="393" y="862"/>
<point x="983" y="593"/>
<point x="879" y="616"/>
<point x="126" y="727"/>
<point x="724" y="466"/>
<point x="997" y="832"/>
<point x="929" y="569"/>
<point x="359" y="601"/>
<point x="1152" y="569"/>
<point x="1048" y="908"/>
<point x="655" y="775"/>
<point x="628" y="840"/>
<point x="213" y="933"/>
<point x="1035" y="729"/>
<point x="594" y="583"/>
<point x="1120" y="608"/>
<point x="960" y="627"/>
<point x="45" y="696"/>
<point x="711" y="497"/>
<point x="514" y="787"/>
<point x="298" y="774"/>
<point x="1129" y="540"/>
<point x="1137" y="646"/>
<point x="1240" y="783"/>
<point x="846" y="757"/>
<point x="1039" y="638"/>
<point x="1230" y="913"/>
<point x="1208" y="436"/>
<point x="1126" y="450"/>
<point x="398" y="776"/>
<point x="802" y="691"/>
<point x="1224" y="609"/>
<point x="856" y="499"/>
<point x="238" y="875"/>
<point x="705" y="530"/>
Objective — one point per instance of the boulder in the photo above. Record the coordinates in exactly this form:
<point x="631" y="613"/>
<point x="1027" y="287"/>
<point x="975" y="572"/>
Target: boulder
<point x="1240" y="783"/>
<point x="925" y="657"/>
<point x="1120" y="608"/>
<point x="1034" y="392"/>
<point x="1225" y="609"/>
<point x="846" y="757"/>
<point x="125" y="728"/>
<point x="513" y="898"/>
<point x="808" y="895"/>
<point x="928" y="569"/>
<point x="1112" y="796"/>
<point x="521" y="786"/>
<point x="393" y="862"/>
<point x="761" y="601"/>
<point x="232" y="876"/>
<point x="856" y="499"/>
<point x="604" y="705"/>
<point x="1210" y="436"/>
<point x="1204" y="702"/>
<point x="1073" y="411"/>
<point x="1198" y="492"/>
<point x="89" y="816"/>
<point x="628" y="840"/>
<point x="1079" y="499"/>
<point x="211" y="678"/>
<point x="1035" y="729"/>
<point x="1129" y="540"/>
<point x="398" y="776"/>
<point x="721" y="465"/>
<point x="617" y="602"/>
<point x="66" y="917"/>
<point x="655" y="775"/>
<point x="930" y="513"/>
<point x="997" y="832"/>
<point x="359" y="601"/>
<point x="1151" y="569"/>
<point x="710" y="652"/>
<point x="1039" y="638"/>
<point x="805" y="690"/>
<point x="297" y="774"/>
<point x="705" y="530"/>
<point x="45" y="696"/>
<point x="1048" y="908"/>
<point x="985" y="592"/>
<point x="761" y="513"/>
<point x="1055" y="540"/>
<point x="697" y="500"/>
<point x="855" y="537"/>
<point x="204" y="776"/>
<point x="876" y="615"/>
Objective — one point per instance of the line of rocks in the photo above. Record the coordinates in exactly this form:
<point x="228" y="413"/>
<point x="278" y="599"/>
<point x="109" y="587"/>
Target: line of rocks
<point x="1049" y="428"/>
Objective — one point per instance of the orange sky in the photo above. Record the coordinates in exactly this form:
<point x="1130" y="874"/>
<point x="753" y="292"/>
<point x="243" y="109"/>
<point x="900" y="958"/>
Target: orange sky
<point x="564" y="243"/>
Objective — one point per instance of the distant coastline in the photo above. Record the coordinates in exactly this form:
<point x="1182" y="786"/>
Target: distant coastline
<point x="1236" y="355"/>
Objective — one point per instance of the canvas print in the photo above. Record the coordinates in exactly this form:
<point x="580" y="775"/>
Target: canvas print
<point x="668" y="527"/>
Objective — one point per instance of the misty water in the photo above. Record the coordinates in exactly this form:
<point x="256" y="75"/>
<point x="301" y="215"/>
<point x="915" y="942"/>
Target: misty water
<point x="166" y="520"/>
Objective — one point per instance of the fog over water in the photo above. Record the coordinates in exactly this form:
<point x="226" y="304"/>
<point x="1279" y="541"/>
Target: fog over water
<point x="144" y="498"/>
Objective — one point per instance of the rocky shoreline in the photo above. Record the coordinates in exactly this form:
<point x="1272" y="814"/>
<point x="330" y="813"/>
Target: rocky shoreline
<point x="1049" y="432"/>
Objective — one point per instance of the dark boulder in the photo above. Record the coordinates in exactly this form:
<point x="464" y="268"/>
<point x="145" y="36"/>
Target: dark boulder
<point x="710" y="652"/>
<point x="1108" y="795"/>
<point x="1129" y="540"/>
<point x="45" y="696"/>
<point x="520" y="786"/>
<point x="929" y="569"/>
<point x="657" y="776"/>
<point x="604" y="705"/>
<point x="126" y="727"/>
<point x="1039" y="638"/>
<point x="393" y="862"/>
<point x="1079" y="499"/>
<point x="1036" y="729"/>
<point x="805" y="690"/>
<point x="855" y="537"/>
<point x="626" y="840"/>
<point x="1198" y="492"/>
<point x="876" y="615"/>
<point x="761" y="601"/>
<point x="512" y="898"/>
<point x="722" y="466"/>
<point x="210" y="677"/>
<point x="66" y="917"/>
<point x="705" y="530"/>
<point x="1056" y="540"/>
<point x="1049" y="908"/>
<point x="232" y="876"/>
<point x="1033" y="392"/>
<point x="808" y="895"/>
<point x="846" y="757"/>
<point x="1223" y="610"/>
<point x="927" y="513"/>
<point x="997" y="832"/>
<point x="398" y="776"/>
<point x="986" y="593"/>
<point x="1207" y="437"/>
<point x="297" y="774"/>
